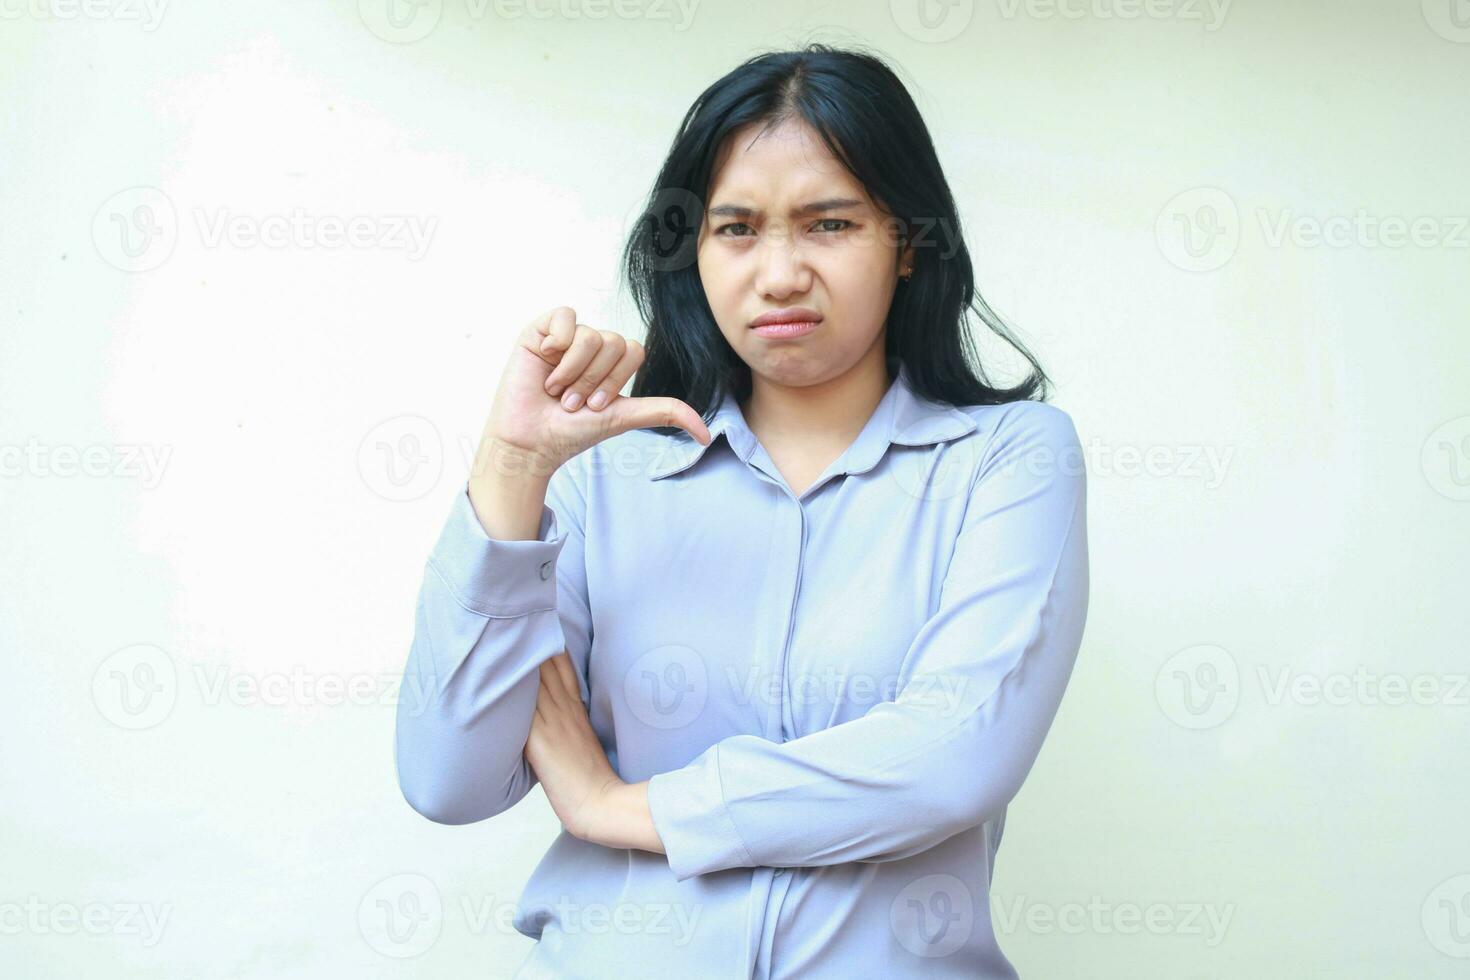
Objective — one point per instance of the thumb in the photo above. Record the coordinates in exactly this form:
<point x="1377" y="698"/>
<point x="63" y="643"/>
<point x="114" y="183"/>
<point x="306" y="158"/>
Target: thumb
<point x="655" y="410"/>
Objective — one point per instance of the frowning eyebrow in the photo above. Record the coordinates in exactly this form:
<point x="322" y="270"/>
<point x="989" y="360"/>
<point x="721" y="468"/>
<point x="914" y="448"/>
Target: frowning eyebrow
<point x="815" y="207"/>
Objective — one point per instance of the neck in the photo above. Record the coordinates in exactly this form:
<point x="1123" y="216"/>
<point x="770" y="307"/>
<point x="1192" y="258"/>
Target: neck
<point x="834" y="410"/>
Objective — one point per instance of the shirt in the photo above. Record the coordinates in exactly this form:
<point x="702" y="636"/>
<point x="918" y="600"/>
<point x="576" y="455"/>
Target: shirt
<point x="834" y="695"/>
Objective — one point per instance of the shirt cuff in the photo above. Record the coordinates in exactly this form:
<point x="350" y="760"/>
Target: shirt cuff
<point x="688" y="810"/>
<point x="495" y="578"/>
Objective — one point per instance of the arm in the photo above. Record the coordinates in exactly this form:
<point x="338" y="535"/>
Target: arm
<point x="485" y="620"/>
<point x="909" y="773"/>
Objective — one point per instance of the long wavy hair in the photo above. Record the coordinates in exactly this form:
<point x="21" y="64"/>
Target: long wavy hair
<point x="869" y="122"/>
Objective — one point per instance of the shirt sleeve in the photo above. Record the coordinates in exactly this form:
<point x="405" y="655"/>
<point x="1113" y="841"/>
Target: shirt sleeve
<point x="916" y="770"/>
<point x="489" y="612"/>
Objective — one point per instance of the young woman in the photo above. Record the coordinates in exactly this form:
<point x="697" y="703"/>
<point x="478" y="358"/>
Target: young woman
<point x="780" y="686"/>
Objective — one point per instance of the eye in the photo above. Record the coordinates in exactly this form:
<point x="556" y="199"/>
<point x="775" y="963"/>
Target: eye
<point x="837" y="221"/>
<point x="737" y="224"/>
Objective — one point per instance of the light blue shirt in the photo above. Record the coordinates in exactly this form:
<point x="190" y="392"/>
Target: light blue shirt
<point x="834" y="695"/>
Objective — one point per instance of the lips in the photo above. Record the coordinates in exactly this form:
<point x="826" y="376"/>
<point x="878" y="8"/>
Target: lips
<point x="790" y="314"/>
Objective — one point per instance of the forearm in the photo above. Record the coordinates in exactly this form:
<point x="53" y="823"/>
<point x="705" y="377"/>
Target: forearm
<point x="623" y="820"/>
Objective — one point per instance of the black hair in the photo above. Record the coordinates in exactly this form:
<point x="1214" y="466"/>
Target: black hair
<point x="869" y="122"/>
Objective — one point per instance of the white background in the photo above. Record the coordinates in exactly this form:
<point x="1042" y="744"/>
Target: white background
<point x="275" y="431"/>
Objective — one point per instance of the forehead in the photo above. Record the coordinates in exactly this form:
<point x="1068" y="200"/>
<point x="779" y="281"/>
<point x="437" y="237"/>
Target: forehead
<point x="786" y="162"/>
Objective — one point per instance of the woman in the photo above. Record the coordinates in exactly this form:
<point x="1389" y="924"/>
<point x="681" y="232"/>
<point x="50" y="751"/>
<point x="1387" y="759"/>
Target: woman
<point x="780" y="688"/>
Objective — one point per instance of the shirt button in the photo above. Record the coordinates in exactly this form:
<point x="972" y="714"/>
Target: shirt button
<point x="545" y="570"/>
<point x="780" y="872"/>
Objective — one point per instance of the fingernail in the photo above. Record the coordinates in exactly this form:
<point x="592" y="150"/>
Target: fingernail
<point x="556" y="389"/>
<point x="572" y="400"/>
<point x="598" y="399"/>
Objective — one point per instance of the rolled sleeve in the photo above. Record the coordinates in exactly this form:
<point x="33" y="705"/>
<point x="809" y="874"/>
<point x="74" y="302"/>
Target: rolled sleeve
<point x="688" y="811"/>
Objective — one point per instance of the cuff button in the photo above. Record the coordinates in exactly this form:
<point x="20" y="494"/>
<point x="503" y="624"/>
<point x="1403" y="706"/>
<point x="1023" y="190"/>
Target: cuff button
<point x="545" y="570"/>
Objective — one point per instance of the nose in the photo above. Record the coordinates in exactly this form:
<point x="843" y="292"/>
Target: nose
<point x="781" y="267"/>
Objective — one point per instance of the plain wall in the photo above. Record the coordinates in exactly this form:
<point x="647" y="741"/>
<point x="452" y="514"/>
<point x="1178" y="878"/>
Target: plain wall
<point x="225" y="460"/>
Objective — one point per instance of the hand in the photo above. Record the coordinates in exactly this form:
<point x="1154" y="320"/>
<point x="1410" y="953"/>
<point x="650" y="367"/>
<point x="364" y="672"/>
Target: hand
<point x="529" y="429"/>
<point x="564" y="751"/>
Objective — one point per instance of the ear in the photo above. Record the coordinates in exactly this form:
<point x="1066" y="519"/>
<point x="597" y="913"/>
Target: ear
<point x="905" y="260"/>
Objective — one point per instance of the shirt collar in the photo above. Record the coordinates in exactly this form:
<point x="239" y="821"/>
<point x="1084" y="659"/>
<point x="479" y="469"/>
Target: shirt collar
<point x="902" y="417"/>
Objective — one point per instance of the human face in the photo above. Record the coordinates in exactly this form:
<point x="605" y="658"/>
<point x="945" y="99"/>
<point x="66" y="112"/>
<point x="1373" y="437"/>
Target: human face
<point x="762" y="248"/>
